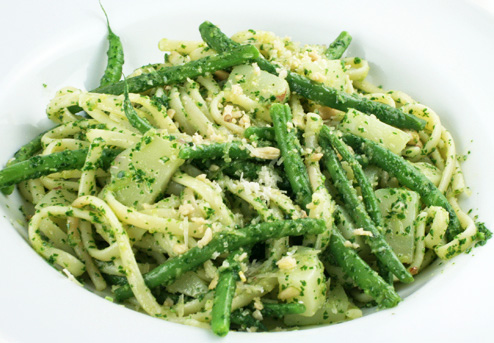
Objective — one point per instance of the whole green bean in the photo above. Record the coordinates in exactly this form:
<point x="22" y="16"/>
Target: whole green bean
<point x="342" y="101"/>
<point x="222" y="242"/>
<point x="338" y="46"/>
<point x="139" y="123"/>
<point x="408" y="176"/>
<point x="41" y="165"/>
<point x="223" y="295"/>
<point x="360" y="272"/>
<point x="318" y="92"/>
<point x="113" y="71"/>
<point x="26" y="151"/>
<point x="291" y="153"/>
<point x="180" y="73"/>
<point x="356" y="208"/>
<point x="220" y="42"/>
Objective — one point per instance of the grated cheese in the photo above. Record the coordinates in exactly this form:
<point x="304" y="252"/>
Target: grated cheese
<point x="208" y="236"/>
<point x="288" y="293"/>
<point x="268" y="153"/>
<point x="258" y="303"/>
<point x="179" y="249"/>
<point x="349" y="244"/>
<point x="257" y="315"/>
<point x="213" y="283"/>
<point x="362" y="232"/>
<point x="257" y="70"/>
<point x="286" y="263"/>
<point x="171" y="113"/>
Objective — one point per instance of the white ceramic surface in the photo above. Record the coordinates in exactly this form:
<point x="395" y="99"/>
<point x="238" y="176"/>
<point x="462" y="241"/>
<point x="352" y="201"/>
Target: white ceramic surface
<point x="438" y="51"/>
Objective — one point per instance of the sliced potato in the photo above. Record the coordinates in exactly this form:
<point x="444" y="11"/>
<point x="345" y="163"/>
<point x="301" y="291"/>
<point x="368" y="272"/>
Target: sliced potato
<point x="372" y="128"/>
<point x="334" y="310"/>
<point x="399" y="208"/>
<point x="304" y="281"/>
<point x="140" y="174"/>
<point x="259" y="84"/>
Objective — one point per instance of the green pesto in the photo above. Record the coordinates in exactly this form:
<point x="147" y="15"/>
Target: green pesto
<point x="113" y="71"/>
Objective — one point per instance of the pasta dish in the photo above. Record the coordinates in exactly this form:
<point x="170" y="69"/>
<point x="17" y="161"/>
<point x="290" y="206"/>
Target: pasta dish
<point x="248" y="183"/>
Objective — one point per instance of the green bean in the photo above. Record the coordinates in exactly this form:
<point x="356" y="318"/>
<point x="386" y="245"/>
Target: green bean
<point x="384" y="272"/>
<point x="26" y="151"/>
<point x="113" y="71"/>
<point x="342" y="101"/>
<point x="216" y="39"/>
<point x="118" y="280"/>
<point x="41" y="165"/>
<point x="235" y="150"/>
<point x="223" y="295"/>
<point x="338" y="46"/>
<point x="407" y="175"/>
<point x="180" y="73"/>
<point x="220" y="42"/>
<point x="234" y="168"/>
<point x="360" y="272"/>
<point x="291" y="153"/>
<point x="318" y="92"/>
<point x="244" y="319"/>
<point x="368" y="195"/>
<point x="215" y="150"/>
<point x="281" y="310"/>
<point x="356" y="208"/>
<point x="160" y="293"/>
<point x="266" y="133"/>
<point x="139" y="123"/>
<point x="223" y="241"/>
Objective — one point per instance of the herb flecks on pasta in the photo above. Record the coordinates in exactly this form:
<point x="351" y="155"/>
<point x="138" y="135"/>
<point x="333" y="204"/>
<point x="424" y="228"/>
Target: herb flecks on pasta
<point x="248" y="183"/>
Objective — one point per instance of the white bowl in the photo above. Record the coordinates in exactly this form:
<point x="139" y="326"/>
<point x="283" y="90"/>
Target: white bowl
<point x="438" y="52"/>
